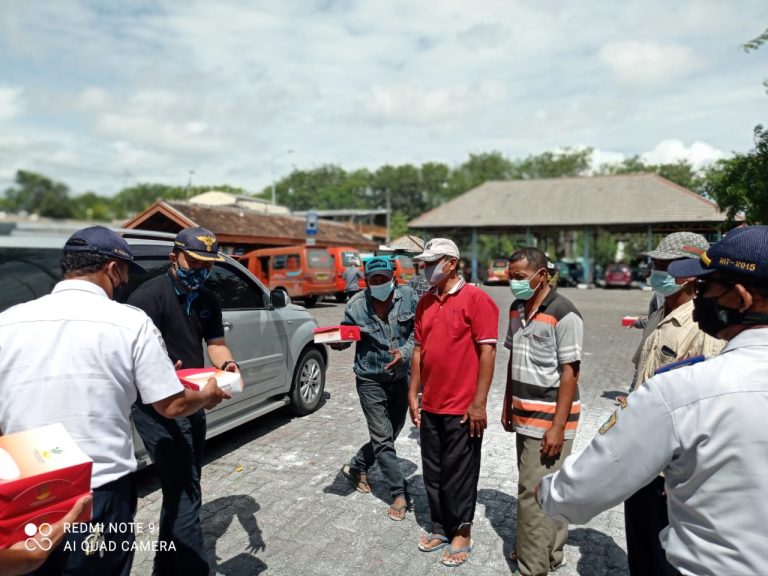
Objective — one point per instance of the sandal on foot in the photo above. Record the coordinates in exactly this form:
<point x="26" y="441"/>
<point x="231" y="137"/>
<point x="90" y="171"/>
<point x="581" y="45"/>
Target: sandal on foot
<point x="397" y="509"/>
<point x="359" y="480"/>
<point x="443" y="542"/>
<point x="451" y="551"/>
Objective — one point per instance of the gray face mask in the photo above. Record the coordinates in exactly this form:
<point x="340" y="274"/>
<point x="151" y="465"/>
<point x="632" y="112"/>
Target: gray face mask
<point x="382" y="291"/>
<point x="433" y="273"/>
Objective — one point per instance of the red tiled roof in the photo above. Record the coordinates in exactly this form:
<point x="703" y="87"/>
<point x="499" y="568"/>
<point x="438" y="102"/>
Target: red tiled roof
<point x="236" y="225"/>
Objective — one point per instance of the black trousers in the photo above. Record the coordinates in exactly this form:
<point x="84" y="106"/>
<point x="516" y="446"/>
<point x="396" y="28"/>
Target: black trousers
<point x="645" y="515"/>
<point x="107" y="550"/>
<point x="451" y="462"/>
<point x="176" y="447"/>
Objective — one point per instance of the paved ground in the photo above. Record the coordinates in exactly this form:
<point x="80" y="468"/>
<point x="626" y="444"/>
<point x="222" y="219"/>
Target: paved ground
<point x="275" y="503"/>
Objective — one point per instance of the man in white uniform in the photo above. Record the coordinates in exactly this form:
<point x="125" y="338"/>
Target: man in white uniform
<point x="701" y="424"/>
<point x="77" y="357"/>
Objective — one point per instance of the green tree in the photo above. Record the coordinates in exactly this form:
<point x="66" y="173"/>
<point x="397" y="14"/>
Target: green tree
<point x="91" y="206"/>
<point x="478" y="169"/>
<point x="755" y="44"/>
<point x="553" y="164"/>
<point x="740" y="184"/>
<point x="38" y="194"/>
<point x="138" y="197"/>
<point x="680" y="172"/>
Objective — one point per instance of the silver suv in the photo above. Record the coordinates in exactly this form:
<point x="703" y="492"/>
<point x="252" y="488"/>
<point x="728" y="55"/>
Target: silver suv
<point x="271" y="339"/>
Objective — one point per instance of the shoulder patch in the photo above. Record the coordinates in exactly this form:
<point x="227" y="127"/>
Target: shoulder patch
<point x="608" y="424"/>
<point x="680" y="364"/>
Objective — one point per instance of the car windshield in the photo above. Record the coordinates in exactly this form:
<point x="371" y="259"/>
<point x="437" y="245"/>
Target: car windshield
<point x="618" y="268"/>
<point x="346" y="256"/>
<point x="500" y="263"/>
<point x="319" y="259"/>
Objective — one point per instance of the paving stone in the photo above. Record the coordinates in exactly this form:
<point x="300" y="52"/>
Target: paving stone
<point x="275" y="502"/>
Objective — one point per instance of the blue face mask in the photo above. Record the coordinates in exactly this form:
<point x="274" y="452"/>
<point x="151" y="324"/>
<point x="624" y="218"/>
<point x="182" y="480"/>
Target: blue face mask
<point x="382" y="291"/>
<point x="663" y="284"/>
<point x="521" y="289"/>
<point x="193" y="279"/>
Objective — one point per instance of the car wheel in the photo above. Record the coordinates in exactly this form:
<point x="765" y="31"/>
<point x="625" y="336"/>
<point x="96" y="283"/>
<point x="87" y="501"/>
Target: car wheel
<point x="341" y="297"/>
<point x="308" y="382"/>
<point x="310" y="301"/>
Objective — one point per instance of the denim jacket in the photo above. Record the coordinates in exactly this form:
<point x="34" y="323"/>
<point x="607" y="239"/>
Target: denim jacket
<point x="378" y="337"/>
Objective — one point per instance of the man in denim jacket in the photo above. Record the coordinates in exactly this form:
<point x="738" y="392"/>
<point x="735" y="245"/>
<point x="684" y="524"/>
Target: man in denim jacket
<point x="385" y="314"/>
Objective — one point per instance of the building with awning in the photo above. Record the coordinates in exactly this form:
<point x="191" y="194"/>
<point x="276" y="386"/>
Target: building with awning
<point x="240" y="229"/>
<point x="621" y="204"/>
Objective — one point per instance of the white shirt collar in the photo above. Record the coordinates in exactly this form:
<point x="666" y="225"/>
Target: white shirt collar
<point x="81" y="285"/>
<point x="456" y="287"/>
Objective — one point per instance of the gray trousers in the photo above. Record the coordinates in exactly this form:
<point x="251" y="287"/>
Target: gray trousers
<point x="540" y="540"/>
<point x="385" y="407"/>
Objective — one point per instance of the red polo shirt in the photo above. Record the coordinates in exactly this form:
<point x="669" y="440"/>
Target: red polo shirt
<point x="450" y="328"/>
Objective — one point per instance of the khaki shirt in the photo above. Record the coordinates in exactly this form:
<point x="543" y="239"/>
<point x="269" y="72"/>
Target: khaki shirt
<point x="669" y="338"/>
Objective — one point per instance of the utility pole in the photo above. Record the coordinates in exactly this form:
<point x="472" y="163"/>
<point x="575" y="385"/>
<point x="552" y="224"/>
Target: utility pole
<point x="389" y="210"/>
<point x="272" y="170"/>
<point x="189" y="183"/>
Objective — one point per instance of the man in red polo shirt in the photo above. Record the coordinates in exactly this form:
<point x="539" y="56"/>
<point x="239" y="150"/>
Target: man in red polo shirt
<point x="455" y="349"/>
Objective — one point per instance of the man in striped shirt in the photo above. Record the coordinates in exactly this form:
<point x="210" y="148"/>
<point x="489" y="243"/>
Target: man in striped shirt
<point x="541" y="402"/>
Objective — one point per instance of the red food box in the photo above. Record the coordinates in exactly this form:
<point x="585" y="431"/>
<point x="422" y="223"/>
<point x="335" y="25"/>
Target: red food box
<point x="196" y="378"/>
<point x="628" y="321"/>
<point x="336" y="334"/>
<point x="42" y="474"/>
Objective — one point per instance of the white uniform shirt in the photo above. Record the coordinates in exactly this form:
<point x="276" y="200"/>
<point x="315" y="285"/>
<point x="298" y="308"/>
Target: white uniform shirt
<point x="704" y="426"/>
<point x="76" y="357"/>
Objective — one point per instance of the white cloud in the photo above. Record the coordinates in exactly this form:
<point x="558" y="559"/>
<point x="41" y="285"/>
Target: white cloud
<point x="648" y="64"/>
<point x="11" y="104"/>
<point x="419" y="105"/>
<point x="101" y="93"/>
<point x="670" y="151"/>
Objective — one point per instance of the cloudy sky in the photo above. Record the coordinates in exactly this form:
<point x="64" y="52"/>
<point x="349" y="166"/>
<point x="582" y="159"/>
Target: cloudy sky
<point x="104" y="94"/>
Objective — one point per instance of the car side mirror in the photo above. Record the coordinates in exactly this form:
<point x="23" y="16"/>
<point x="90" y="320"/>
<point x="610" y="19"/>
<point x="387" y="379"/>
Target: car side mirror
<point x="279" y="298"/>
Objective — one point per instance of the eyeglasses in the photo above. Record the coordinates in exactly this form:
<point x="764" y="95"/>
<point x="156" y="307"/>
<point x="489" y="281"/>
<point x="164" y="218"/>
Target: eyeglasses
<point x="701" y="285"/>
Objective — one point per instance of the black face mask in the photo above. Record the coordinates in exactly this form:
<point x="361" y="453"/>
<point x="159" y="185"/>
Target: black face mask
<point x="118" y="292"/>
<point x="712" y="318"/>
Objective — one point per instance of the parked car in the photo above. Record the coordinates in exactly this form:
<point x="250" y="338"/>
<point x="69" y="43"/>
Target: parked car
<point x="271" y="339"/>
<point x="618" y="275"/>
<point x="497" y="271"/>
<point x="305" y="273"/>
<point x="341" y="255"/>
<point x="565" y="275"/>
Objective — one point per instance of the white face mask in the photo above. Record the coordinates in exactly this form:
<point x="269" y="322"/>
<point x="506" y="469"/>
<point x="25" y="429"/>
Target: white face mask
<point x="434" y="274"/>
<point x="382" y="291"/>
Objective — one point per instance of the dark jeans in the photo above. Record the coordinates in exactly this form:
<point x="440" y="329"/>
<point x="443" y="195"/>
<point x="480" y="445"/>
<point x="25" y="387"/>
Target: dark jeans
<point x="176" y="448"/>
<point x="349" y="293"/>
<point x="645" y="515"/>
<point x="451" y="462"/>
<point x="112" y="503"/>
<point x="384" y="406"/>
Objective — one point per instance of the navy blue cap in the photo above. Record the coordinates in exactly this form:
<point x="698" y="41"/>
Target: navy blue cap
<point x="743" y="251"/>
<point x="102" y="240"/>
<point x="378" y="265"/>
<point x="200" y="243"/>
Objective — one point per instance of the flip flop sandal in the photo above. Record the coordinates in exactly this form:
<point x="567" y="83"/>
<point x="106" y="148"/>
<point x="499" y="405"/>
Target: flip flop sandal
<point x="355" y="477"/>
<point x="394" y="508"/>
<point x="443" y="542"/>
<point x="451" y="550"/>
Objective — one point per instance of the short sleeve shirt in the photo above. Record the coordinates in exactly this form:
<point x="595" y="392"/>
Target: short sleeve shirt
<point x="184" y="319"/>
<point x="449" y="330"/>
<point x="539" y="347"/>
<point x="79" y="358"/>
